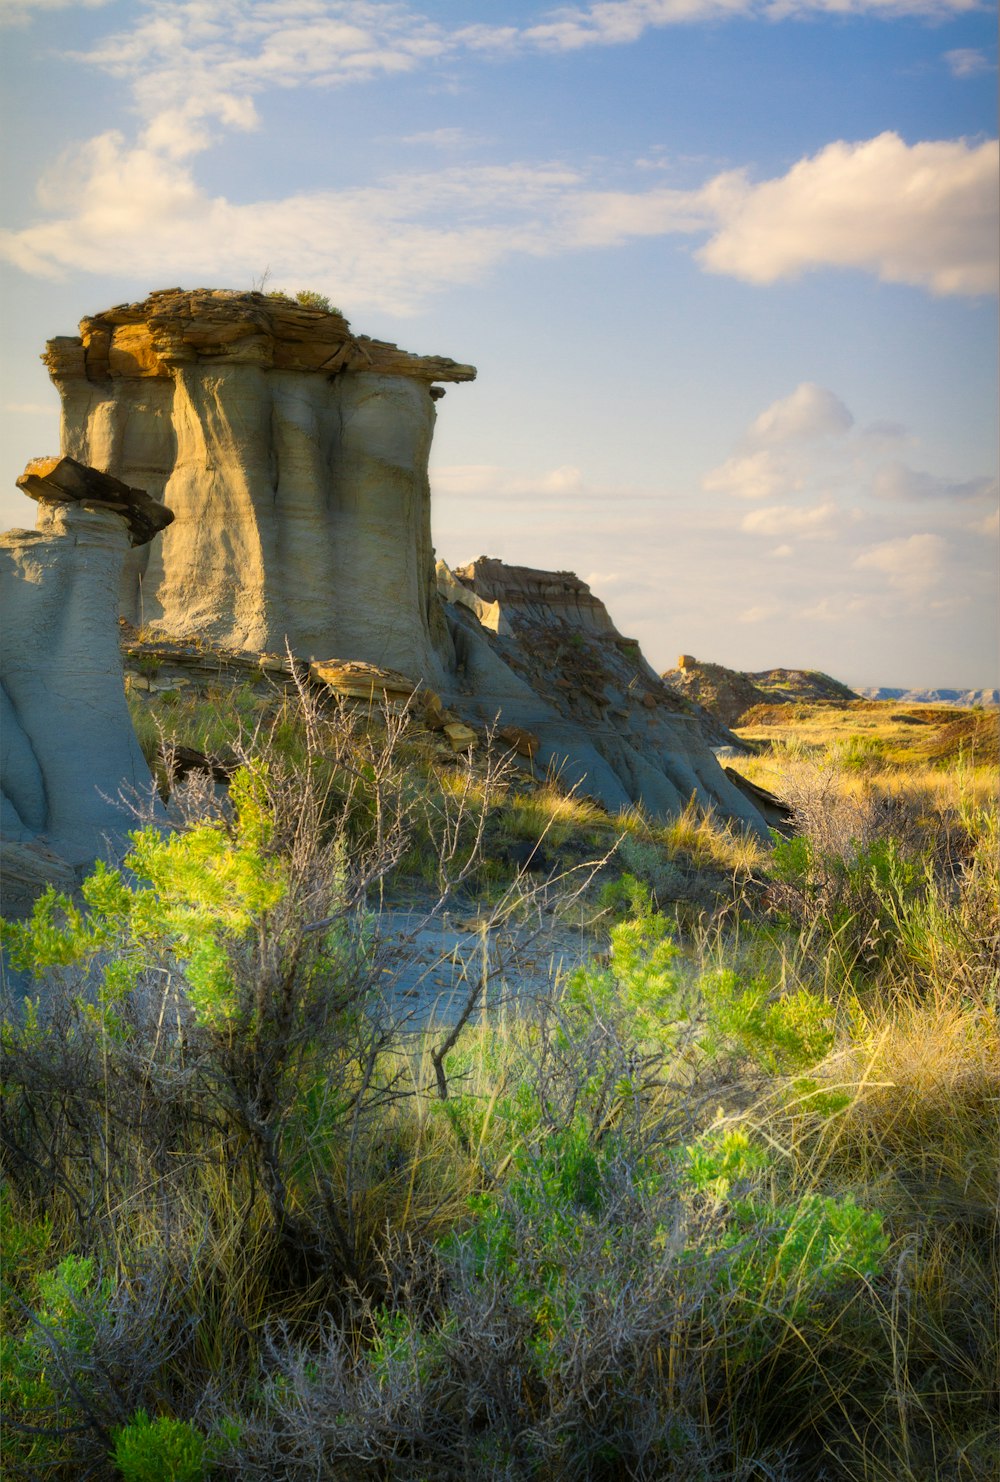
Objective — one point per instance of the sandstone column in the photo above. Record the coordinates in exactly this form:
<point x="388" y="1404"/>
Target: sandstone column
<point x="294" y="456"/>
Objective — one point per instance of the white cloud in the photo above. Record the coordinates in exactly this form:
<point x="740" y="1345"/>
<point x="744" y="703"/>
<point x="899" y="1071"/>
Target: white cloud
<point x="809" y="412"/>
<point x="966" y="61"/>
<point x="31" y="409"/>
<point x="20" y="12"/>
<point x="924" y="214"/>
<point x="898" y="481"/>
<point x="836" y="609"/>
<point x="388" y="245"/>
<point x="771" y="459"/>
<point x="759" y="475"/>
<point x="783" y="551"/>
<point x="784" y="519"/>
<point x="911" y="564"/>
<point x="176" y="52"/>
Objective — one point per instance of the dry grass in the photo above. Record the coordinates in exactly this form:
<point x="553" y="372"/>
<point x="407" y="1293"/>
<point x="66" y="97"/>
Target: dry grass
<point x="900" y="735"/>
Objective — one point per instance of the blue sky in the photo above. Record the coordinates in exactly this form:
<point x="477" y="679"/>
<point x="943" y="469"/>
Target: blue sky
<point x="727" y="269"/>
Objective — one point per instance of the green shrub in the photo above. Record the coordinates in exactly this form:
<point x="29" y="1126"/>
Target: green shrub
<point x="160" y="1450"/>
<point x="309" y="299"/>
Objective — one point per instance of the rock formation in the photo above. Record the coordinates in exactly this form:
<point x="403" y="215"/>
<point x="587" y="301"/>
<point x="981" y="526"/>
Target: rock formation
<point x="294" y="456"/>
<point x="604" y="720"/>
<point x="69" y="749"/>
<point x="727" y="694"/>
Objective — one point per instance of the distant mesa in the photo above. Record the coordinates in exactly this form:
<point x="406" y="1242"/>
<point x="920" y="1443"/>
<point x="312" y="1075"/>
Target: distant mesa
<point x="964" y="698"/>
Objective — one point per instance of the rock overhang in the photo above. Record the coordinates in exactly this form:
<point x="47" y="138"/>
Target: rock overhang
<point x="173" y="327"/>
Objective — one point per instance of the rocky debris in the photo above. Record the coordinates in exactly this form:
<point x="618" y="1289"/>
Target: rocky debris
<point x="294" y="456"/>
<point x="461" y="738"/>
<point x="27" y="868"/>
<point x="181" y="761"/>
<point x="55" y="481"/>
<point x="71" y="761"/>
<point x="521" y="742"/>
<point x="356" y="681"/>
<point x="727" y="694"/>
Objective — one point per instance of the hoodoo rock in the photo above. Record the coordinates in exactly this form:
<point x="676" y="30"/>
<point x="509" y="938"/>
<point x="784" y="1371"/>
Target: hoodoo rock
<point x="69" y="749"/>
<point x="294" y="457"/>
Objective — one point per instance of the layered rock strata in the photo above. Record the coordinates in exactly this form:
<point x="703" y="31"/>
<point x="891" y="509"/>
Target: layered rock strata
<point x="69" y="752"/>
<point x="605" y="722"/>
<point x="294" y="456"/>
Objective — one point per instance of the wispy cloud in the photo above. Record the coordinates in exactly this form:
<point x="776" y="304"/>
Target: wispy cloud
<point x="807" y="444"/>
<point x="898" y="481"/>
<point x="553" y="486"/>
<point x="815" y="522"/>
<point x="20" y="12"/>
<point x="988" y="525"/>
<point x="439" y="139"/>
<point x="911" y="564"/>
<point x="621" y="22"/>
<point x="966" y="61"/>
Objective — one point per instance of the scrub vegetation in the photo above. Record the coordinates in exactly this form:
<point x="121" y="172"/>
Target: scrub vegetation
<point x="723" y="1205"/>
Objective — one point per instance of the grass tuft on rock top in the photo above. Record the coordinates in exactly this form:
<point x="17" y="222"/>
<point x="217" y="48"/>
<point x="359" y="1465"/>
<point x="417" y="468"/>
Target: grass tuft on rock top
<point x="722" y="1206"/>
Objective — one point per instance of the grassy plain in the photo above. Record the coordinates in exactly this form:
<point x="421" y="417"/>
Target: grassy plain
<point x="724" y="1207"/>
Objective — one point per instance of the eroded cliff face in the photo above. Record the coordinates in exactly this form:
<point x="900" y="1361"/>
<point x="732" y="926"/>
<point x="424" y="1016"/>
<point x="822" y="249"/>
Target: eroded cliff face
<point x="294" y="456"/>
<point x="554" y="664"/>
